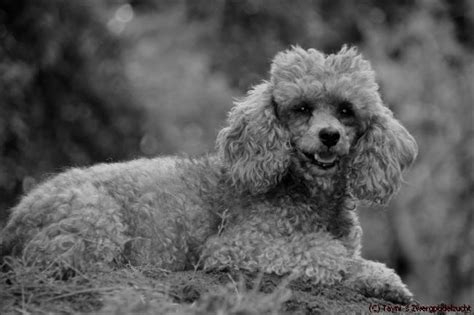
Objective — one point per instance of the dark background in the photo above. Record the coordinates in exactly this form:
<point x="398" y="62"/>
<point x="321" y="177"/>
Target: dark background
<point x="99" y="81"/>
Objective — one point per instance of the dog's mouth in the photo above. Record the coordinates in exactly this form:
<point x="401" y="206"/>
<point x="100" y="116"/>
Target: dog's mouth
<point x="324" y="160"/>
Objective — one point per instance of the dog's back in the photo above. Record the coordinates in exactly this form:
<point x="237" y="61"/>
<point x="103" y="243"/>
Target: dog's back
<point x="110" y="212"/>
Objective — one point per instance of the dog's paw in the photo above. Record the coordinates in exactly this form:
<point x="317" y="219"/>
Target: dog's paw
<point x="376" y="280"/>
<point x="394" y="292"/>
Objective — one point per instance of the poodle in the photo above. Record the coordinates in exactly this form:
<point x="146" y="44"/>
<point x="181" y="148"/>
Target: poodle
<point x="298" y="154"/>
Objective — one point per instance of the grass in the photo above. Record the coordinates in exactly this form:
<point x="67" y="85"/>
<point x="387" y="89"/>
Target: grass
<point x="34" y="289"/>
<point x="26" y="289"/>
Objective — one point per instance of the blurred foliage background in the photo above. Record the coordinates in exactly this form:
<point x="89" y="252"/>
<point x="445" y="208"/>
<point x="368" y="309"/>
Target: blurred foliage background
<point x="98" y="81"/>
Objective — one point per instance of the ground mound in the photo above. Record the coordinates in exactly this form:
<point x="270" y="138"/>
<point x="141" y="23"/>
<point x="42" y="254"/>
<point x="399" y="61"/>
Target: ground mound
<point x="30" y="289"/>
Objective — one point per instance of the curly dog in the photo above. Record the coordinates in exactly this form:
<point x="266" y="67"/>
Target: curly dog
<point x="279" y="196"/>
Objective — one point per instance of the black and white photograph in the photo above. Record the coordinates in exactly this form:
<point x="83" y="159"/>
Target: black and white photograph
<point x="236" y="157"/>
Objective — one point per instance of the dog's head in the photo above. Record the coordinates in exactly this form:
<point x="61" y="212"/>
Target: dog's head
<point x="316" y="117"/>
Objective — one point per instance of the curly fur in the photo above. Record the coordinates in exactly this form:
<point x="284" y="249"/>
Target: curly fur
<point x="279" y="196"/>
<point x="254" y="146"/>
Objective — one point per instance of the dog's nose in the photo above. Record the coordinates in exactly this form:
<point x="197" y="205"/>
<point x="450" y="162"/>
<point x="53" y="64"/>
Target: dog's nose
<point x="329" y="136"/>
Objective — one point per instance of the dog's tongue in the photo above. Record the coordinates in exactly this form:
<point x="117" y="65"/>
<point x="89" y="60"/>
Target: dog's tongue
<point x="325" y="156"/>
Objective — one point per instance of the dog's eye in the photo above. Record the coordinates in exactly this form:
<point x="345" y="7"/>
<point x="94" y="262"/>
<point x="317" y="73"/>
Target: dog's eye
<point x="302" y="109"/>
<point x="346" y="110"/>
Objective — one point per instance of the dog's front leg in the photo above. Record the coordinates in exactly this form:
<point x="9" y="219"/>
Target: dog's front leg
<point x="376" y="279"/>
<point x="316" y="256"/>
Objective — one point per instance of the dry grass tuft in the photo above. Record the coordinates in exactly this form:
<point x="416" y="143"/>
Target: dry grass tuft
<point x="38" y="289"/>
<point x="34" y="289"/>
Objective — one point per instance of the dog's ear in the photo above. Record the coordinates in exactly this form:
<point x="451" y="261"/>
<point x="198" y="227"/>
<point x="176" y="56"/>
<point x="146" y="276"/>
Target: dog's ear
<point x="255" y="148"/>
<point x="381" y="154"/>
